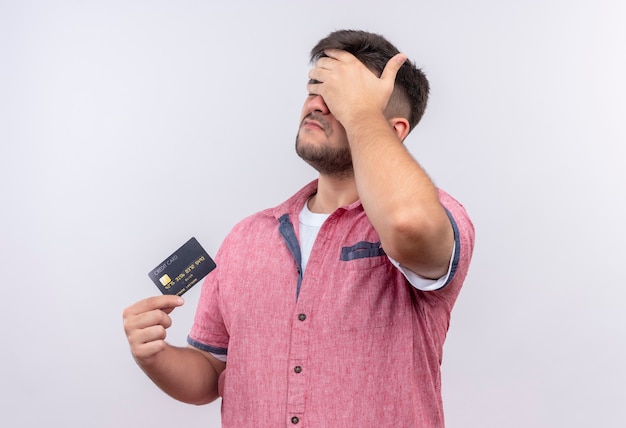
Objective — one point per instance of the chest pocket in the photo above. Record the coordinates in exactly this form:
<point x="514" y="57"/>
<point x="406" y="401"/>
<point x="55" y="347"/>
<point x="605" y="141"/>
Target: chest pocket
<point x="363" y="255"/>
<point x="362" y="250"/>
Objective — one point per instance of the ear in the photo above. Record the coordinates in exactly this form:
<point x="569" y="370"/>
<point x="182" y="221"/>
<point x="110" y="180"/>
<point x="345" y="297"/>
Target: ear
<point x="400" y="126"/>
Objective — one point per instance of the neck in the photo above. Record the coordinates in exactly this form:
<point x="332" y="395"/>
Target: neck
<point x="332" y="193"/>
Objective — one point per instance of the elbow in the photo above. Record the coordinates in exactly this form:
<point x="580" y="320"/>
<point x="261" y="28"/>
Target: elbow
<point x="421" y="241"/>
<point x="205" y="399"/>
<point x="203" y="402"/>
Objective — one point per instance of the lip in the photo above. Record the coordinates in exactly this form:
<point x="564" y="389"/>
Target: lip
<point x="313" y="124"/>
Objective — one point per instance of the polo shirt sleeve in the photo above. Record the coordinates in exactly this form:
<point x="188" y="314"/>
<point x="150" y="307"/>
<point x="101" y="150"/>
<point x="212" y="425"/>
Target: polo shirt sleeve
<point x="463" y="239"/>
<point x="209" y="332"/>
<point x="421" y="283"/>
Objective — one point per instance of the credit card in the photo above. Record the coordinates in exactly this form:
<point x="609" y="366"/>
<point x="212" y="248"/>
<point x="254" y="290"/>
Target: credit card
<point x="183" y="269"/>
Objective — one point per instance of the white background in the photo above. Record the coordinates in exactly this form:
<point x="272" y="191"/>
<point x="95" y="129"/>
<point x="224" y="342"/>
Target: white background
<point x="127" y="127"/>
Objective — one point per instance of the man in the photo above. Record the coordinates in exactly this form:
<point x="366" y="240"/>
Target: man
<point x="332" y="308"/>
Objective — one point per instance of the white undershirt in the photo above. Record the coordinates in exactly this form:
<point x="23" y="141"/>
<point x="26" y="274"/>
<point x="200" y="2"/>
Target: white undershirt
<point x="310" y="224"/>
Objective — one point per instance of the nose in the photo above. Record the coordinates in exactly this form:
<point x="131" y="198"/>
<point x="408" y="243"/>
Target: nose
<point x="316" y="103"/>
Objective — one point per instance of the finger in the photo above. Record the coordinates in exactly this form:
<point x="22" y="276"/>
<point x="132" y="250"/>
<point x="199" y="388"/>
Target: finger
<point x="152" y="303"/>
<point x="168" y="310"/>
<point x="147" y="341"/>
<point x="314" y="87"/>
<point x="392" y="67"/>
<point x="147" y="335"/>
<point x="338" y="54"/>
<point x="325" y="63"/>
<point x="156" y="317"/>
<point x="145" y="320"/>
<point x="317" y="75"/>
<point x="148" y="350"/>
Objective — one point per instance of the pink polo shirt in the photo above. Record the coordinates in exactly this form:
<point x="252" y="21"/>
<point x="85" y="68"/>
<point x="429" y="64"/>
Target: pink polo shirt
<point x="350" y="343"/>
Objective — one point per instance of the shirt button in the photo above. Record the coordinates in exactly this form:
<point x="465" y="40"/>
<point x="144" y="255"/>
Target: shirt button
<point x="295" y="420"/>
<point x="297" y="369"/>
<point x="302" y="317"/>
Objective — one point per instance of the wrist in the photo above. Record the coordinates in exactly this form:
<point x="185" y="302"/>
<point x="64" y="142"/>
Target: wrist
<point x="367" y="125"/>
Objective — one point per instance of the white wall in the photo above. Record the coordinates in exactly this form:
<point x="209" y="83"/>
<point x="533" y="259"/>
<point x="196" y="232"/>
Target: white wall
<point x="127" y="127"/>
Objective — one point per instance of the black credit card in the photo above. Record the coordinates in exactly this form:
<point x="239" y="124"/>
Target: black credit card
<point x="183" y="269"/>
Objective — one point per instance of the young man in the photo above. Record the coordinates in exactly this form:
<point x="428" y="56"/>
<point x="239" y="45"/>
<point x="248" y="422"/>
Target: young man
<point x="332" y="308"/>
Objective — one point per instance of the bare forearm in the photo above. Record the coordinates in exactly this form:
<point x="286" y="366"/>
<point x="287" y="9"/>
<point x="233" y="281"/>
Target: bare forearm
<point x="399" y="197"/>
<point x="184" y="374"/>
<point x="381" y="164"/>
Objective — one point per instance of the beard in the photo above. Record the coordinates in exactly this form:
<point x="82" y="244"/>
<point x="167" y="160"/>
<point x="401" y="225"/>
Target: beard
<point x="326" y="160"/>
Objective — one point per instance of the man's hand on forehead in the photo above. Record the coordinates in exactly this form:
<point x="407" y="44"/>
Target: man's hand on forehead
<point x="349" y="88"/>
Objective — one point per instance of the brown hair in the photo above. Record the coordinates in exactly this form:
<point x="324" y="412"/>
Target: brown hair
<point x="374" y="51"/>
